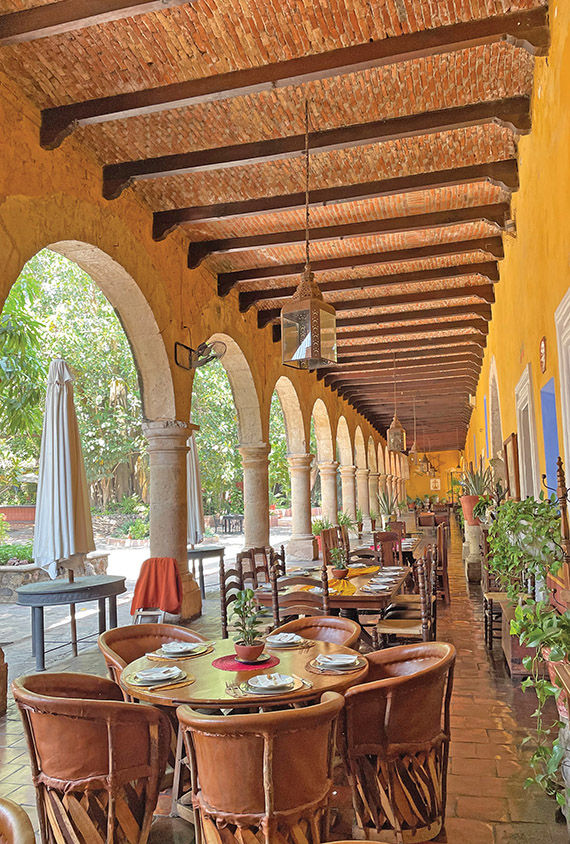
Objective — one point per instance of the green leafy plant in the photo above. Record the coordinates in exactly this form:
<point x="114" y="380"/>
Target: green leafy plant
<point x="359" y="516"/>
<point x="338" y="558"/>
<point x="387" y="503"/>
<point x="4" y="528"/>
<point x="345" y="520"/>
<point x="539" y="626"/>
<point x="524" y="539"/>
<point x="320" y="524"/>
<point x="373" y="515"/>
<point x="247" y="617"/>
<point x="476" y="481"/>
<point x="23" y="553"/>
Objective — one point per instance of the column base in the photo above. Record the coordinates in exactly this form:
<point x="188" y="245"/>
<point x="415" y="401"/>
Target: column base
<point x="303" y="548"/>
<point x="191" y="598"/>
<point x="473" y="560"/>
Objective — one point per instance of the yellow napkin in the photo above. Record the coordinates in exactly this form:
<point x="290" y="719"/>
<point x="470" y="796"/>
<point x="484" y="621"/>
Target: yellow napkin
<point x="341" y="587"/>
<point x="358" y="572"/>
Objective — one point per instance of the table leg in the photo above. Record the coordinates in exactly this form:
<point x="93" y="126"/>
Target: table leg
<point x="102" y="621"/>
<point x="112" y="611"/>
<point x="201" y="576"/>
<point x="177" y="773"/>
<point x="38" y="637"/>
<point x="73" y="629"/>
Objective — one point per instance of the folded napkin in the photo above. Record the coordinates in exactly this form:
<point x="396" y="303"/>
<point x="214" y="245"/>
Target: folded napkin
<point x="336" y="660"/>
<point x="284" y="638"/>
<point x="271" y="681"/>
<point x="181" y="647"/>
<point x="159" y="672"/>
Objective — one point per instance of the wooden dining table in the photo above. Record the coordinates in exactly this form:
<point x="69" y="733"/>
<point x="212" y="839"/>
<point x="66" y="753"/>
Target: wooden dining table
<point x="210" y="690"/>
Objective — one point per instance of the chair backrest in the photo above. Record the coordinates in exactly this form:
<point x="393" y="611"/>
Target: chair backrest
<point x="331" y="628"/>
<point x="389" y="544"/>
<point x="441" y="545"/>
<point x="96" y="760"/>
<point x="426" y="520"/>
<point x="231" y="582"/>
<point x="399" y="722"/>
<point x="158" y="586"/>
<point x="254" y="770"/>
<point x="424" y="570"/>
<point x="329" y="540"/>
<point x="255" y="566"/>
<point x="398" y="527"/>
<point x="366" y="555"/>
<point x="343" y="538"/>
<point x="15" y="825"/>
<point x="122" y="645"/>
<point x="298" y="602"/>
<point x="277" y="559"/>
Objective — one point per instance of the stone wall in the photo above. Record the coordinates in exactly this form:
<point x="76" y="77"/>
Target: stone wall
<point x="12" y="577"/>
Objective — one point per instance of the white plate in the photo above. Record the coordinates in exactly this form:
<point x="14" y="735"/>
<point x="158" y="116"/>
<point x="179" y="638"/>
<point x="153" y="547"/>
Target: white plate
<point x="316" y="590"/>
<point x="283" y="639"/>
<point x="158" y="674"/>
<point x="377" y="590"/>
<point x="336" y="660"/>
<point x="270" y="683"/>
<point x="172" y="648"/>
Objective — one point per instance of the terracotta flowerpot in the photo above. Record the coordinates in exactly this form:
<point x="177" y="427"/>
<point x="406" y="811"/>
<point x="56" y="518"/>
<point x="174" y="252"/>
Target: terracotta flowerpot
<point x="373" y="524"/>
<point x="339" y="573"/>
<point x="468" y="503"/>
<point x="249" y="653"/>
<point x="562" y="702"/>
<point x="319" y="543"/>
<point x="359" y="526"/>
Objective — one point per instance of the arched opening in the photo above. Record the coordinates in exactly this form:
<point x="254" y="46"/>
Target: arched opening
<point x="287" y="440"/>
<point x="359" y="449"/>
<point x="344" y="446"/>
<point x="372" y="464"/>
<point x="381" y="467"/>
<point x="323" y="432"/>
<point x="292" y="415"/>
<point x="347" y="492"/>
<point x="495" y="427"/>
<point x="326" y="485"/>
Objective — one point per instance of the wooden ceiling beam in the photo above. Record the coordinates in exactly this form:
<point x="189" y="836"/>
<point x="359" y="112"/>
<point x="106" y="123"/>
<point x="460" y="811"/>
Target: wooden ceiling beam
<point x="70" y="15"/>
<point x="419" y="384"/>
<point x="495" y="215"/>
<point x="484" y="292"/>
<point x="510" y="113"/>
<point x="503" y="174"/>
<point x="401" y="365"/>
<point x="445" y="328"/>
<point x="527" y="30"/>
<point x="439" y="344"/>
<point x="444" y="311"/>
<point x="492" y="245"/>
<point x="402" y="376"/>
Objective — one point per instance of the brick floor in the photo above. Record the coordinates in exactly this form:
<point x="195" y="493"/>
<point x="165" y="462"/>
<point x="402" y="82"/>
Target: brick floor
<point x="487" y="803"/>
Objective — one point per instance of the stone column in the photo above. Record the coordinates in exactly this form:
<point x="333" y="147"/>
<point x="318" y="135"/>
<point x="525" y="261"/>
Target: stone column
<point x="348" y="487"/>
<point x="362" y="492"/>
<point x="382" y="483"/>
<point x="300" y="546"/>
<point x="373" y="491"/>
<point x="329" y="503"/>
<point x="473" y="558"/>
<point x="255" y="464"/>
<point x="168" y="508"/>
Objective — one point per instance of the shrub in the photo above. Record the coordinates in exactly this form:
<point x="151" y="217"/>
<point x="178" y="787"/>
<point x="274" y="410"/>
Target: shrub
<point x="16" y="552"/>
<point x="4" y="528"/>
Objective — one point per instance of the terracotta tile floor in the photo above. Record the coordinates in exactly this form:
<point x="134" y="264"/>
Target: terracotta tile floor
<point x="490" y="715"/>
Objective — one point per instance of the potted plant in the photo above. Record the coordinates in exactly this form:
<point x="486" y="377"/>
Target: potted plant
<point x="318" y="525"/>
<point x="474" y="483"/>
<point x="373" y="519"/>
<point x="339" y="563"/>
<point x="345" y="520"/>
<point x="359" y="519"/>
<point x="248" y="645"/>
<point x="387" y="504"/>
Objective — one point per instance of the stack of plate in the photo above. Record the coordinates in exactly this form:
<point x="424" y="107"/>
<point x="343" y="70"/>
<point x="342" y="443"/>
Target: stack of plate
<point x="270" y="684"/>
<point x="177" y="649"/>
<point x="284" y="640"/>
<point x="338" y="662"/>
<point x="158" y="675"/>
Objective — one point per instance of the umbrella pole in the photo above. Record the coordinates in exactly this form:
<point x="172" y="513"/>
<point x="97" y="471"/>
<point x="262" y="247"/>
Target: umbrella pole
<point x="71" y="579"/>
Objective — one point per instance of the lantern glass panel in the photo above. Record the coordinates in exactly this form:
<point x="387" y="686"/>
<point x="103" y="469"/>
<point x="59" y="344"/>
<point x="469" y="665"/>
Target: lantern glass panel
<point x="308" y="334"/>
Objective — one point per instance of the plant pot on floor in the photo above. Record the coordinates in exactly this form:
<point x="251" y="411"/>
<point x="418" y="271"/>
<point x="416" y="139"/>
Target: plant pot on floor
<point x="373" y="525"/>
<point x="468" y="503"/>
<point x="359" y="526"/>
<point x="249" y="653"/>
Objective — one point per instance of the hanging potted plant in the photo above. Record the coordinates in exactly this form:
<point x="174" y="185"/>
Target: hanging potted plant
<point x="387" y="504"/>
<point x="318" y="525"/>
<point x="474" y="483"/>
<point x="249" y="646"/>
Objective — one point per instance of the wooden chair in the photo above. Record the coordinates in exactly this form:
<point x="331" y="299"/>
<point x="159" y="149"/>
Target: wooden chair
<point x="397" y="527"/>
<point x="332" y="628"/>
<point x="231" y="582"/>
<point x="255" y="564"/>
<point x="441" y="560"/>
<point x="397" y="758"/>
<point x="343" y="538"/>
<point x="96" y="761"/>
<point x="15" y="825"/>
<point x="277" y="558"/>
<point x="415" y="627"/>
<point x="298" y="602"/>
<point x="390" y="546"/>
<point x="329" y="540"/>
<point x="264" y="777"/>
<point x="409" y="605"/>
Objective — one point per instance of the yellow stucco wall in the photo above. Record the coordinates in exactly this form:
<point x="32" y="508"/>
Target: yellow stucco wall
<point x="535" y="272"/>
<point x="420" y="485"/>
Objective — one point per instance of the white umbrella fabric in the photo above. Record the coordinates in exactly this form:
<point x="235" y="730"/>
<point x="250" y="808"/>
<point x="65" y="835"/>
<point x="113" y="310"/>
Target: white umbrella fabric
<point x="63" y="525"/>
<point x="195" y="529"/>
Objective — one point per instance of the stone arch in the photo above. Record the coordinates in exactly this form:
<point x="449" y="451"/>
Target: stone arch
<point x="243" y="390"/>
<point x="292" y="414"/>
<point x="359" y="449"/>
<point x="387" y="461"/>
<point x="343" y="442"/>
<point x="495" y="426"/>
<point x="323" y="432"/>
<point x="381" y="466"/>
<point x="138" y="321"/>
<point x="372" y="464"/>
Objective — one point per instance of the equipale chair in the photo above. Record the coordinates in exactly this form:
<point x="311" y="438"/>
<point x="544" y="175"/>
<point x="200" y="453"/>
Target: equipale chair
<point x="15" y="825"/>
<point x="331" y="628"/>
<point x="396" y="741"/>
<point x="264" y="777"/>
<point x="96" y="760"/>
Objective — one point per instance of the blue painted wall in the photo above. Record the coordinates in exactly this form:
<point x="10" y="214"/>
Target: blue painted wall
<point x="550" y="432"/>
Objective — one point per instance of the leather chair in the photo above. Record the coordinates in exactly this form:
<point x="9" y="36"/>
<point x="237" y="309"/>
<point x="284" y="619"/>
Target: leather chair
<point x="264" y="777"/>
<point x="96" y="760"/>
<point x="331" y="628"/>
<point x="122" y="645"/>
<point x="396" y="741"/>
<point x="15" y="825"/>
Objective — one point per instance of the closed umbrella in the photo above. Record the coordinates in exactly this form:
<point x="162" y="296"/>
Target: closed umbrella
<point x="195" y="529"/>
<point x="63" y="526"/>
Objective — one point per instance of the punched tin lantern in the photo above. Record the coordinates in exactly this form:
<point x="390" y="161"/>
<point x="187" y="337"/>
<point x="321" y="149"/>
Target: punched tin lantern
<point x="308" y="327"/>
<point x="396" y="436"/>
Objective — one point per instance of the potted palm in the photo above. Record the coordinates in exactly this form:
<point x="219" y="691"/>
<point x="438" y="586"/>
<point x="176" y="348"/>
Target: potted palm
<point x="373" y="519"/>
<point x="249" y="646"/>
<point x="359" y="519"/>
<point x="387" y="505"/>
<point x="474" y="483"/>
<point x="318" y="525"/>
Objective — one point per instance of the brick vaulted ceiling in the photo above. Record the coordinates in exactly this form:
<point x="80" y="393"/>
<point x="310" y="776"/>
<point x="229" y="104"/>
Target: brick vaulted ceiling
<point x="416" y="107"/>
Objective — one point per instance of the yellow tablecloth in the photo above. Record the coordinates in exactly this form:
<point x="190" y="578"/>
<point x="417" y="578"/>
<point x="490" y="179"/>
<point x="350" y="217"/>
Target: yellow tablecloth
<point x="341" y="587"/>
<point x="358" y="572"/>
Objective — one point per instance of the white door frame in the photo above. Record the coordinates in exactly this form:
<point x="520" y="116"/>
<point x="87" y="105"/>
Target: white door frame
<point x="562" y="322"/>
<point x="524" y="399"/>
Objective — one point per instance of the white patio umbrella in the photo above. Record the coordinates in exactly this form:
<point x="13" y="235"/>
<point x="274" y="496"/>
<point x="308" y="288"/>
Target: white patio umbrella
<point x="195" y="530"/>
<point x="63" y="525"/>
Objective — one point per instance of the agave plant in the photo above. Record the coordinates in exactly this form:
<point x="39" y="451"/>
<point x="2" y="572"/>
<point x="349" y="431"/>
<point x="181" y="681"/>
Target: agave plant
<point x="387" y="503"/>
<point x="477" y="481"/>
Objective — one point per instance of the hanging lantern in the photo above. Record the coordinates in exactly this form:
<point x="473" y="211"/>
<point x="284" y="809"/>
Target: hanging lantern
<point x="413" y="452"/>
<point x="308" y="323"/>
<point x="423" y="465"/>
<point x="395" y="435"/>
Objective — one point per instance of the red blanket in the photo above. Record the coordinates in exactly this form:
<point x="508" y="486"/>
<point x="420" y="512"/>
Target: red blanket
<point x="158" y="586"/>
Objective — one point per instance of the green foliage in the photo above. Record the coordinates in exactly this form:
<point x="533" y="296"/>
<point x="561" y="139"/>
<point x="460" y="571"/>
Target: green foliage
<point x="279" y="477"/>
<point x="359" y="516"/>
<point x="136" y="528"/>
<point x="248" y="617"/>
<point x="16" y="552"/>
<point x="476" y="481"/>
<point x="338" y="558"/>
<point x="320" y="524"/>
<point x="524" y="539"/>
<point x="387" y="503"/>
<point x="539" y="626"/>
<point x="345" y="519"/>
<point x="4" y="528"/>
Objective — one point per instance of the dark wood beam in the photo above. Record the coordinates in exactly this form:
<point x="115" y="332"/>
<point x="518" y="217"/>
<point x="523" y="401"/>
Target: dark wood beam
<point x="377" y="384"/>
<point x="503" y="174"/>
<point x="71" y="15"/>
<point x="484" y="292"/>
<point x="387" y="365"/>
<point x="439" y="344"/>
<point x="495" y="215"/>
<point x="479" y="325"/>
<point x="492" y="245"/>
<point x="528" y="30"/>
<point x="384" y="376"/>
<point x="510" y="113"/>
<point x="381" y="319"/>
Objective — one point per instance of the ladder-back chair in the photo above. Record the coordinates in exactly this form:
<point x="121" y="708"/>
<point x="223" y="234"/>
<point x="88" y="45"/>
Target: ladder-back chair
<point x="231" y="582"/>
<point x="298" y="602"/>
<point x="389" y="545"/>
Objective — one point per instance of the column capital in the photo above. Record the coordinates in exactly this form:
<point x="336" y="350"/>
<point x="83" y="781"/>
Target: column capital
<point x="374" y="476"/>
<point x="251" y="454"/>
<point x="347" y="471"/>
<point x="328" y="468"/>
<point x="299" y="461"/>
<point x="167" y="434"/>
<point x="362" y="473"/>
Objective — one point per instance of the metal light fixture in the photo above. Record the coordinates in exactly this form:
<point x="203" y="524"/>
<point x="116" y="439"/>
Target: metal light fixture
<point x="308" y="323"/>
<point x="423" y="465"/>
<point x="396" y="436"/>
<point x="413" y="452"/>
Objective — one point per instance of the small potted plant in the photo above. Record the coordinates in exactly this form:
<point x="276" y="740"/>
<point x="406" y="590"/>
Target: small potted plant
<point x="359" y="519"/>
<point x="373" y="519"/>
<point x="474" y="484"/>
<point x="318" y="525"/>
<point x="249" y="646"/>
<point x="344" y="519"/>
<point x="339" y="563"/>
<point x="387" y="504"/>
